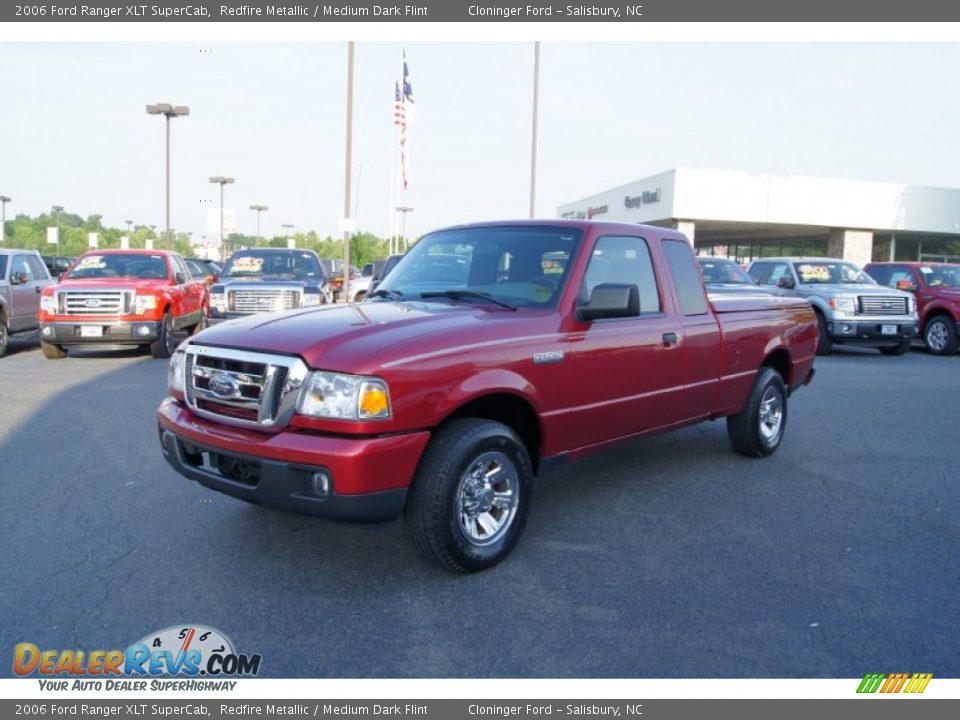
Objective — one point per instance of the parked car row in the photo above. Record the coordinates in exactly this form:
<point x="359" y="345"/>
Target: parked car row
<point x="886" y="305"/>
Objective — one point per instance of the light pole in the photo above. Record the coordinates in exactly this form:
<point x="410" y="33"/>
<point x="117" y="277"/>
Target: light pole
<point x="3" y="227"/>
<point x="259" y="209"/>
<point x="287" y="228"/>
<point x="221" y="181"/>
<point x="57" y="209"/>
<point x="403" y="226"/>
<point x="168" y="111"/>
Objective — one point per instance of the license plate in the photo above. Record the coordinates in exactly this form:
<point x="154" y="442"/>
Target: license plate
<point x="91" y="331"/>
<point x="888" y="329"/>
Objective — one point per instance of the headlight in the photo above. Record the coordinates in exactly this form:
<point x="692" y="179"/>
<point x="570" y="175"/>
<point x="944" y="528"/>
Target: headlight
<point x="844" y="304"/>
<point x="48" y="303"/>
<point x="912" y="304"/>
<point x="176" y="371"/>
<point x="307" y="299"/>
<point x="345" y="397"/>
<point x="143" y="303"/>
<point x="218" y="301"/>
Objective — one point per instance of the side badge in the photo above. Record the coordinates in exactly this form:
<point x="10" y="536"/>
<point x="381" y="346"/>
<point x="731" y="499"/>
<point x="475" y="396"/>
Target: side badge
<point x="544" y="358"/>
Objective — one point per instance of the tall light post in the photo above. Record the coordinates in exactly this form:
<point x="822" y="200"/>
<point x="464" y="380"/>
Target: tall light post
<point x="259" y="209"/>
<point x="287" y="231"/>
<point x="168" y="111"/>
<point x="3" y="224"/>
<point x="347" y="220"/>
<point x="221" y="181"/>
<point x="57" y="209"/>
<point x="533" y="137"/>
<point x="403" y="226"/>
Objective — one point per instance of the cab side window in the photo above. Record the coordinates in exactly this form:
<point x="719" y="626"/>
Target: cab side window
<point x="623" y="260"/>
<point x="20" y="265"/>
<point x="39" y="269"/>
<point x="686" y="277"/>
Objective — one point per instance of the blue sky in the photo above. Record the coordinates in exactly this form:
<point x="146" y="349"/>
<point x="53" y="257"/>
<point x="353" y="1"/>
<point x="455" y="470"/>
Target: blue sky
<point x="75" y="132"/>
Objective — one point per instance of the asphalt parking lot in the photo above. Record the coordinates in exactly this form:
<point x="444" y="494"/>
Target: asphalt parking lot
<point x="668" y="557"/>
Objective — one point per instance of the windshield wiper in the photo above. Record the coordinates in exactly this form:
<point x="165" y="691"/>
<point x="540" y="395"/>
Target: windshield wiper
<point x="384" y="293"/>
<point x="468" y="295"/>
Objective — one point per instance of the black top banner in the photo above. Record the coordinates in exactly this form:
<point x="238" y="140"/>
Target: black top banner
<point x="467" y="11"/>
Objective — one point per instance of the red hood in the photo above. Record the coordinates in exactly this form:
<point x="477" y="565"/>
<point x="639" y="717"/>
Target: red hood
<point x="118" y="283"/>
<point x="364" y="337"/>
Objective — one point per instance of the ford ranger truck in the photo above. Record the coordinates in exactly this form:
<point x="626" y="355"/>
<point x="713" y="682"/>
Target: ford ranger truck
<point x="446" y="391"/>
<point x="262" y="280"/>
<point x="851" y="308"/>
<point x="122" y="297"/>
<point x="936" y="286"/>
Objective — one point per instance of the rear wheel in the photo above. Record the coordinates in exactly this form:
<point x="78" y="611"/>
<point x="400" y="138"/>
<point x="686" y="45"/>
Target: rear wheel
<point x="52" y="352"/>
<point x="940" y="335"/>
<point x="824" y="341"/>
<point x="4" y="336"/>
<point x="165" y="343"/>
<point x="901" y="349"/>
<point x="756" y="431"/>
<point x="468" y="502"/>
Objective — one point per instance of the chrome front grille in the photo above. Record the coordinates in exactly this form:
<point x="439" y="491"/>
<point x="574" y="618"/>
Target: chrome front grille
<point x="238" y="387"/>
<point x="95" y="302"/>
<point x="256" y="300"/>
<point x="882" y="305"/>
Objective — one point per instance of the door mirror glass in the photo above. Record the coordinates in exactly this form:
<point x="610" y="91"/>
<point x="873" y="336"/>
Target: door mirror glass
<point x="611" y="300"/>
<point x="786" y="282"/>
<point x="179" y="279"/>
<point x="18" y="278"/>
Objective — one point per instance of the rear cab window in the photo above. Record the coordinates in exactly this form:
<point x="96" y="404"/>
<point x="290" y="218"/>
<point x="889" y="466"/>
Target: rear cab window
<point x="686" y="277"/>
<point x="623" y="260"/>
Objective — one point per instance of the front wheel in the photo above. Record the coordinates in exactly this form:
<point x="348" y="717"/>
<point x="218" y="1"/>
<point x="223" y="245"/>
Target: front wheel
<point x="756" y="431"/>
<point x="4" y="337"/>
<point x="824" y="341"/>
<point x="468" y="502"/>
<point x="901" y="349"/>
<point x="940" y="336"/>
<point x="165" y="343"/>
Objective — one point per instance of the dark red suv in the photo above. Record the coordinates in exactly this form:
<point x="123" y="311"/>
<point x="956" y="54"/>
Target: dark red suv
<point x="937" y="288"/>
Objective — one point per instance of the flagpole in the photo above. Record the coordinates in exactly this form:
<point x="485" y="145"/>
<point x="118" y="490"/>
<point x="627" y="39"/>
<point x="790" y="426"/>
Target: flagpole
<point x="393" y="170"/>
<point x="533" y="139"/>
<point x="348" y="177"/>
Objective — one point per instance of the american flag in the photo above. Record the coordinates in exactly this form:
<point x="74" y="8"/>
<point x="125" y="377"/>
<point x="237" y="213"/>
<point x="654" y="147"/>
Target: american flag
<point x="404" y="111"/>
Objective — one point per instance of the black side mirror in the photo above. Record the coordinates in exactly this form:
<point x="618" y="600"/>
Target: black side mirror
<point x="611" y="300"/>
<point x="18" y="278"/>
<point x="786" y="282"/>
<point x="179" y="279"/>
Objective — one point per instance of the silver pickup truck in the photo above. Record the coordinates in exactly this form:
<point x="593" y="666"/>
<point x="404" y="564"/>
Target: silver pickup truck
<point x="23" y="276"/>
<point x="851" y="308"/>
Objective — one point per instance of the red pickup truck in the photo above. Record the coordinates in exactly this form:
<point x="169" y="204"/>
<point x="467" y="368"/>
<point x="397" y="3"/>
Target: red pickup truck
<point x="122" y="297"/>
<point x="490" y="353"/>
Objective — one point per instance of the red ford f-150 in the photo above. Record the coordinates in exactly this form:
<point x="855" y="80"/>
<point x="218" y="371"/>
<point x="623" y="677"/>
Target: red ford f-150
<point x="491" y="352"/>
<point x="122" y="297"/>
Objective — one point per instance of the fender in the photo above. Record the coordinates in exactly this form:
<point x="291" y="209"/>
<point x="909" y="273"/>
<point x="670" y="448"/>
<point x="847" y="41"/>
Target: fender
<point x="489" y="382"/>
<point x="939" y="306"/>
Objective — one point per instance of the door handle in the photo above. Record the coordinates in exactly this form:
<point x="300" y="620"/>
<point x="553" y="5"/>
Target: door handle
<point x="670" y="339"/>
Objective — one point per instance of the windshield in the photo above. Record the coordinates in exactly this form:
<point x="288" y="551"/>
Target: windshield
<point x="941" y="275"/>
<point x="521" y="266"/>
<point x="119" y="265"/>
<point x="258" y="264"/>
<point x="726" y="272"/>
<point x="831" y="272"/>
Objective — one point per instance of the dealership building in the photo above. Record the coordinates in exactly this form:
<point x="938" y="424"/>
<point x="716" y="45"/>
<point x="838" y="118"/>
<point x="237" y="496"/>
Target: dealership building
<point x="746" y="215"/>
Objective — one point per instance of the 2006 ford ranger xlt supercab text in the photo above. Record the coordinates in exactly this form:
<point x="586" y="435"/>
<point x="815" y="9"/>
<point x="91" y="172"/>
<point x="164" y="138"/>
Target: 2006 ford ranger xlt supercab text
<point x="491" y="352"/>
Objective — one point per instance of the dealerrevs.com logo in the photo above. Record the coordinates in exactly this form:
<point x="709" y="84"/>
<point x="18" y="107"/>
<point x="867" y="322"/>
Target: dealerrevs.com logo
<point x="181" y="651"/>
<point x="894" y="683"/>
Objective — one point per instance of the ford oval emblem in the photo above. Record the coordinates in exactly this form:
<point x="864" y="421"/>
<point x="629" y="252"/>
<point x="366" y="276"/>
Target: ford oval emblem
<point x="91" y="303"/>
<point x="224" y="386"/>
<point x="887" y="306"/>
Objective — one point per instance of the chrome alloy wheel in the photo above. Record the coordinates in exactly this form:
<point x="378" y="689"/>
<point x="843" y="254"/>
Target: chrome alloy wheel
<point x="487" y="497"/>
<point x="771" y="414"/>
<point x="937" y="335"/>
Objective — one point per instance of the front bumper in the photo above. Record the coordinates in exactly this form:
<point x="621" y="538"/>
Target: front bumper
<point x="367" y="477"/>
<point x="870" y="332"/>
<point x="124" y="332"/>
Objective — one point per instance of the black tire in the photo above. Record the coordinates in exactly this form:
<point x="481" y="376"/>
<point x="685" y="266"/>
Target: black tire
<point x="748" y="430"/>
<point x="52" y="352"/>
<point x="165" y="343"/>
<point x="438" y="509"/>
<point x="902" y="349"/>
<point x="940" y="335"/>
<point x="4" y="336"/>
<point x="359" y="296"/>
<point x="824" y="341"/>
